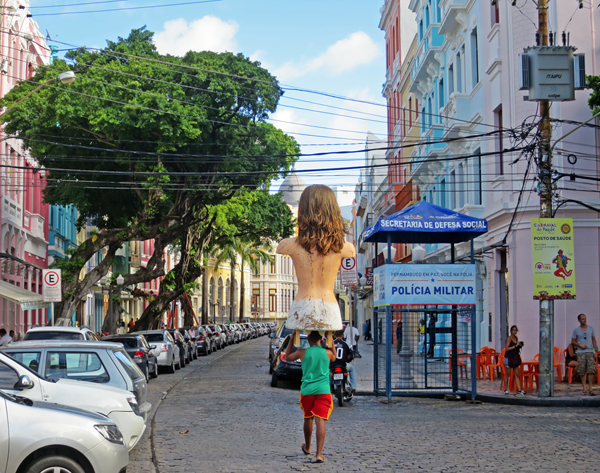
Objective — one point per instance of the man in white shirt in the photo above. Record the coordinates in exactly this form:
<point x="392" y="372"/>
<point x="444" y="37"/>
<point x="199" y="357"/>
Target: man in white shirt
<point x="5" y="338"/>
<point x="351" y="336"/>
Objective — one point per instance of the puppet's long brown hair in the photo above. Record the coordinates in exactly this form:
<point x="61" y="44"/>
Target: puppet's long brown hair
<point x="320" y="223"/>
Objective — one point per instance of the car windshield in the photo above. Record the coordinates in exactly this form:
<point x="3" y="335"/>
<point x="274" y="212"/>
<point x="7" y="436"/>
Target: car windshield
<point x="53" y="335"/>
<point x="127" y="342"/>
<point x="285" y="332"/>
<point x="154" y="337"/>
<point x="132" y="370"/>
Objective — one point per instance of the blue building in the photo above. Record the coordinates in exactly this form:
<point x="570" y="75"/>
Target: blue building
<point x="62" y="231"/>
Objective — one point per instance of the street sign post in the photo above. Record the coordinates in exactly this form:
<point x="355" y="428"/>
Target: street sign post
<point x="348" y="272"/>
<point x="51" y="285"/>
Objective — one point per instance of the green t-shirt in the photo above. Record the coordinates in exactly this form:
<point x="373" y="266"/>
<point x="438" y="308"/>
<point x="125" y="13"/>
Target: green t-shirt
<point x="315" y="372"/>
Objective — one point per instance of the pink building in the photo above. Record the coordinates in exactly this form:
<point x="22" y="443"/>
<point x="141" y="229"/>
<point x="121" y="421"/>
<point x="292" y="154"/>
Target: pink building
<point x="23" y="216"/>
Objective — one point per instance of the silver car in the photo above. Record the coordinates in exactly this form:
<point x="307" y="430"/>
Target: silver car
<point x="166" y="351"/>
<point x="95" y="362"/>
<point x="37" y="436"/>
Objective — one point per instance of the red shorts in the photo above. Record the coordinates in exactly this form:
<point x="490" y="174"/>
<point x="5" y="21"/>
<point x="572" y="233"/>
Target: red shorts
<point x="320" y="405"/>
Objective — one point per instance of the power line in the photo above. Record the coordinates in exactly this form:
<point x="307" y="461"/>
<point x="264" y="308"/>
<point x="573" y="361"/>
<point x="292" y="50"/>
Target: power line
<point x="128" y="8"/>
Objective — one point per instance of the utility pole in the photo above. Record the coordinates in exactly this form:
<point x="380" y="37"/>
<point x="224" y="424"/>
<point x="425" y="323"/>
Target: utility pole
<point x="545" y="169"/>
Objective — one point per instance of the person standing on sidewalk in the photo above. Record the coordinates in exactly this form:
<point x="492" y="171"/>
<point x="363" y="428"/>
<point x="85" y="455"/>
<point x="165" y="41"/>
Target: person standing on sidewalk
<point x="422" y="336"/>
<point x="584" y="339"/>
<point x="399" y="335"/>
<point x="315" y="392"/>
<point x="512" y="357"/>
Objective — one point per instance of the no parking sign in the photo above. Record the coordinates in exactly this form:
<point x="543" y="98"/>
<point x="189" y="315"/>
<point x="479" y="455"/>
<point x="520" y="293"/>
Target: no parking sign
<point x="51" y="285"/>
<point x="348" y="272"/>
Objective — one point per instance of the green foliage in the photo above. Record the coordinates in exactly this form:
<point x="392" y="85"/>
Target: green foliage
<point x="593" y="82"/>
<point x="69" y="267"/>
<point x="217" y="121"/>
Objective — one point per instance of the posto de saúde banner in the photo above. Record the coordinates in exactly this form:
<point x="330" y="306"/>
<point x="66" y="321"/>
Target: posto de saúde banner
<point x="433" y="284"/>
<point x="553" y="258"/>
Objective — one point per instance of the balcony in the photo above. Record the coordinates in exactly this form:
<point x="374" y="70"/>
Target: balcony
<point x="37" y="226"/>
<point x="455" y="17"/>
<point x="12" y="211"/>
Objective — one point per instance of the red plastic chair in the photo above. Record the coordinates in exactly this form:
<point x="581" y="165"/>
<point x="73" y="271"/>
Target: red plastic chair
<point x="557" y="358"/>
<point x="498" y="364"/>
<point x="570" y="369"/>
<point x="462" y="366"/>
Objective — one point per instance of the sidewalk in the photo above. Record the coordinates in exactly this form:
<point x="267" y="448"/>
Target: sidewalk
<point x="565" y="394"/>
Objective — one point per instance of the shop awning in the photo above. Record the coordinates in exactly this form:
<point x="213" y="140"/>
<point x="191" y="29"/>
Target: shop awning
<point x="27" y="299"/>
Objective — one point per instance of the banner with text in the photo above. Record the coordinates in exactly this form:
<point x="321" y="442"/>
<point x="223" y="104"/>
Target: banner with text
<point x="432" y="284"/>
<point x="553" y="258"/>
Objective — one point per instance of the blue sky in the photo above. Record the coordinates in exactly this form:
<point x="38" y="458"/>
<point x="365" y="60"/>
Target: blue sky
<point x="330" y="46"/>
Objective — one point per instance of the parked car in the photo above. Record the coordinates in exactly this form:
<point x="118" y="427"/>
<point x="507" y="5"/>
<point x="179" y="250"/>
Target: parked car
<point x="117" y="404"/>
<point x="248" y="329"/>
<point x="237" y="333"/>
<point x="281" y="368"/>
<point x="203" y="342"/>
<point x="183" y="346"/>
<point x="166" y="351"/>
<point x="42" y="437"/>
<point x="275" y="339"/>
<point x="214" y="340"/>
<point x="191" y="344"/>
<point x="226" y="329"/>
<point x="138" y="349"/>
<point x="60" y="333"/>
<point x="220" y="336"/>
<point x="103" y="363"/>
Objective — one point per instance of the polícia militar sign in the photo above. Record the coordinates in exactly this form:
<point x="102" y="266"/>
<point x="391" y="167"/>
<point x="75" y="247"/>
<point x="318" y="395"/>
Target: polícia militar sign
<point x="432" y="284"/>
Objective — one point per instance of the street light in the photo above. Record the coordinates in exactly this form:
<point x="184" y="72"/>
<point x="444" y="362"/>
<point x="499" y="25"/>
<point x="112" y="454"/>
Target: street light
<point x="67" y="77"/>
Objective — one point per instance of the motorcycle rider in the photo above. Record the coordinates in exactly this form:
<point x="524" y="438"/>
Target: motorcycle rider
<point x="344" y="356"/>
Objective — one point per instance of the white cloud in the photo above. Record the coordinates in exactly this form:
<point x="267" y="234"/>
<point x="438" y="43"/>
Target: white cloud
<point x="208" y="33"/>
<point x="353" y="51"/>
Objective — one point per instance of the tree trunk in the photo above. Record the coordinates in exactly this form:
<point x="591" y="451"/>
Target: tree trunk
<point x="242" y="292"/>
<point x="205" y="302"/>
<point x="232" y="290"/>
<point x="188" y="311"/>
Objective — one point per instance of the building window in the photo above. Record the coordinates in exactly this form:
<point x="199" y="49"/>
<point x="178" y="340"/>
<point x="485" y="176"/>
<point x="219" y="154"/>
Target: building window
<point x="450" y="79"/>
<point x="452" y="189"/>
<point x="441" y="102"/>
<point x="442" y="202"/>
<point x="499" y="141"/>
<point x="474" y="57"/>
<point x="495" y="13"/>
<point x="459" y="70"/>
<point x="272" y="300"/>
<point x="461" y="185"/>
<point x="255" y="303"/>
<point x="477" y="179"/>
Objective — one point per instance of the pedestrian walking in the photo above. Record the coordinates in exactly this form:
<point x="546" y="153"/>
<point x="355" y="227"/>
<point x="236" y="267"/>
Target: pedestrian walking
<point x="431" y="330"/>
<point x="399" y="335"/>
<point x="5" y="338"/>
<point x="512" y="359"/>
<point x="422" y="336"/>
<point x="368" y="330"/>
<point x="316" y="401"/>
<point x="584" y="339"/>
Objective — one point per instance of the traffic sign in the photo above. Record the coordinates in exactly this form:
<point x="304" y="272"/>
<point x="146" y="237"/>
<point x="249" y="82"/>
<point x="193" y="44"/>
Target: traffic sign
<point x="348" y="272"/>
<point x="51" y="285"/>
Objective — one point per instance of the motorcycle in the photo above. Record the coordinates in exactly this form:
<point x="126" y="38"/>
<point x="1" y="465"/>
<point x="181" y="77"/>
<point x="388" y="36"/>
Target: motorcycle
<point x="340" y="385"/>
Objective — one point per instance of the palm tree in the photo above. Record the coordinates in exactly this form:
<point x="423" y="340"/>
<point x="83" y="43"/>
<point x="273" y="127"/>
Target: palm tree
<point x="248" y="254"/>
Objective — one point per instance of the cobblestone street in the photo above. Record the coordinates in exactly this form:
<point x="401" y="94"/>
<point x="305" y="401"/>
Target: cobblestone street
<point x="219" y="414"/>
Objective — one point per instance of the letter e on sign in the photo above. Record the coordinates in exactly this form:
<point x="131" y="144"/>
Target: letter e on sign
<point x="51" y="285"/>
<point x="348" y="272"/>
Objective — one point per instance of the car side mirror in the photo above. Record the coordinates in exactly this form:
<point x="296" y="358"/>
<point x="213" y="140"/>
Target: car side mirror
<point x="24" y="382"/>
<point x="152" y="347"/>
<point x="271" y="335"/>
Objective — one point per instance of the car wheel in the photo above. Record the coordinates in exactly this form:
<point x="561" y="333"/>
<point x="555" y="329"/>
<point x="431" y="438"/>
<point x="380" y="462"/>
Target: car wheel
<point x="54" y="463"/>
<point x="154" y="373"/>
<point x="146" y="374"/>
<point x="178" y="365"/>
<point x="182" y="362"/>
<point x="270" y="368"/>
<point x="195" y="354"/>
<point x="274" y="380"/>
<point x="172" y="367"/>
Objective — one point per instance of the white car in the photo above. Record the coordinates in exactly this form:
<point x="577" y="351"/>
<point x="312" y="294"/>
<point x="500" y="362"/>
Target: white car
<point x="117" y="404"/>
<point x="53" y="332"/>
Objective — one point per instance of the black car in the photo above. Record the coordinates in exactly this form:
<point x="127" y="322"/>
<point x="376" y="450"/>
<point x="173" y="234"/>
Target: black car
<point x="275" y="339"/>
<point x="280" y="368"/>
<point x="140" y="351"/>
<point x="183" y="347"/>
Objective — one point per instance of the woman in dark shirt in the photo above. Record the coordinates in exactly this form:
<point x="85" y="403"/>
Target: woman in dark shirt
<point x="512" y="357"/>
<point x="571" y="357"/>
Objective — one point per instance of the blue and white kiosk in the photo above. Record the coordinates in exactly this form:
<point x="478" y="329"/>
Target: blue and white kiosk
<point x="440" y="291"/>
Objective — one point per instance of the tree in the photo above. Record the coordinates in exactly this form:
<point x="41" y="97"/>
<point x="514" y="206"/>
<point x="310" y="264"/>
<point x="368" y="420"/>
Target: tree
<point x="148" y="146"/>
